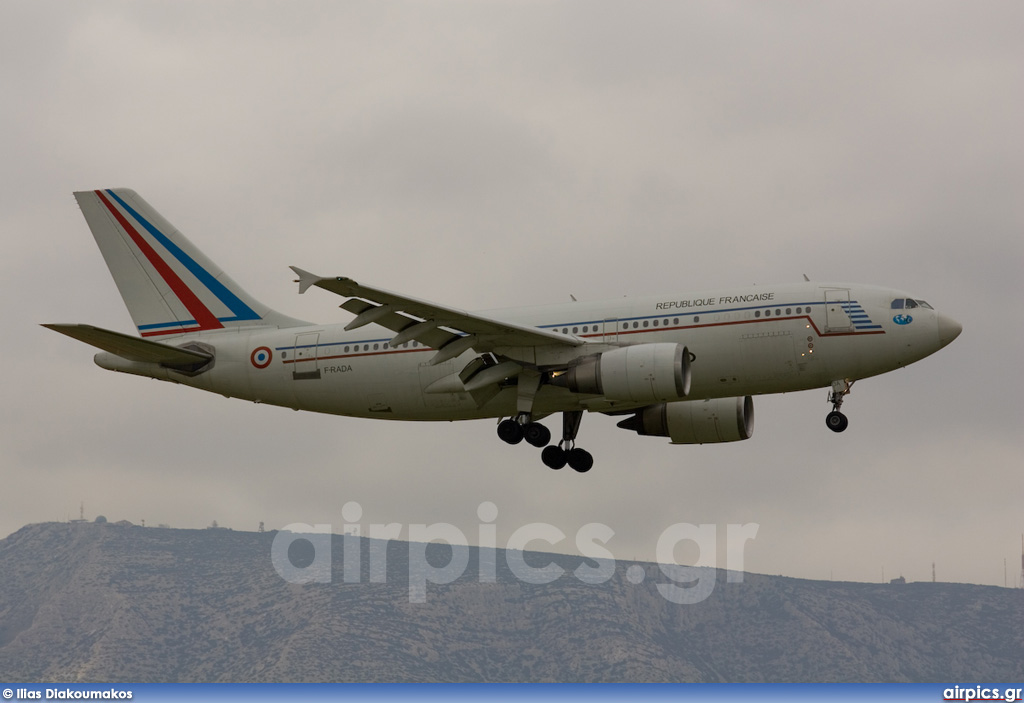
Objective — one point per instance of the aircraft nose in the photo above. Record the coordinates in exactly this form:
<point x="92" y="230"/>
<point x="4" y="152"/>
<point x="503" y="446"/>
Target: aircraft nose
<point x="949" y="329"/>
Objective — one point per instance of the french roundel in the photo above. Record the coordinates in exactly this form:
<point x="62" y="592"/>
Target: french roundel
<point x="261" y="357"/>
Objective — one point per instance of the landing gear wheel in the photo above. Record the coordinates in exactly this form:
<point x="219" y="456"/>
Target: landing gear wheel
<point x="554" y="457"/>
<point x="580" y="460"/>
<point x="836" y="421"/>
<point x="537" y="434"/>
<point x="510" y="431"/>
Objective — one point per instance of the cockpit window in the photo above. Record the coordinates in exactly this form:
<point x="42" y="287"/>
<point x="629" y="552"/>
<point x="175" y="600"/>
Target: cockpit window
<point x="901" y="303"/>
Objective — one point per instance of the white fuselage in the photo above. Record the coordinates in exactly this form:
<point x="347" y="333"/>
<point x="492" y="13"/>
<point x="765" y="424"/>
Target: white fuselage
<point x="742" y="341"/>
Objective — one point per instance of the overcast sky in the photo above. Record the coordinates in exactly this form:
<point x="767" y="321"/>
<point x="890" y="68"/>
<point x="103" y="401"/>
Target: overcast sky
<point x="487" y="154"/>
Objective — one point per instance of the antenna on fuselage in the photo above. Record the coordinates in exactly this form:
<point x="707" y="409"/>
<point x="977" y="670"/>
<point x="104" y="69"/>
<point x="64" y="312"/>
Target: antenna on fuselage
<point x="806" y="278"/>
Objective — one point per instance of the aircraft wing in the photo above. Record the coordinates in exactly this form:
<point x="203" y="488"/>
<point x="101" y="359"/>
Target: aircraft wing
<point x="134" y="348"/>
<point x="449" y="330"/>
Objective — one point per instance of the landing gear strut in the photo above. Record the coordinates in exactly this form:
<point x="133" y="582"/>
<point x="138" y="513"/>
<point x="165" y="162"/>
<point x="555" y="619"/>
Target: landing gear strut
<point x="566" y="452"/>
<point x="514" y="430"/>
<point x="835" y="420"/>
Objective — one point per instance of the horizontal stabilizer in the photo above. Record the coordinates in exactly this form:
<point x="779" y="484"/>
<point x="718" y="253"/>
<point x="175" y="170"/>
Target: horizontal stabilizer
<point x="134" y="348"/>
<point x="305" y="280"/>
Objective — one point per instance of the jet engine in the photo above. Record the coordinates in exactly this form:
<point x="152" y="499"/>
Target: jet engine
<point x="639" y="373"/>
<point x="696" y="421"/>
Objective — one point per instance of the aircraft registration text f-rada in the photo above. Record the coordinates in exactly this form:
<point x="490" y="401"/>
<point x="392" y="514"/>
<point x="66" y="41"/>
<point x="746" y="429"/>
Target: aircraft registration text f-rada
<point x="682" y="366"/>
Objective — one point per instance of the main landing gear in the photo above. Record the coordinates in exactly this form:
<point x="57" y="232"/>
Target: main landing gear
<point x="515" y="430"/>
<point x="835" y="420"/>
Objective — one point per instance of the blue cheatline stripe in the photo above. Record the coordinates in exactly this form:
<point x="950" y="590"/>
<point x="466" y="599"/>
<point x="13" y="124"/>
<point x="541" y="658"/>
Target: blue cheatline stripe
<point x="690" y="313"/>
<point x="232" y="301"/>
<point x="184" y="323"/>
<point x="164" y="325"/>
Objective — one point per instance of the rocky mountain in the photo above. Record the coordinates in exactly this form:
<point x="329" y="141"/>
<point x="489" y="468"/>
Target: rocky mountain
<point x="116" y="602"/>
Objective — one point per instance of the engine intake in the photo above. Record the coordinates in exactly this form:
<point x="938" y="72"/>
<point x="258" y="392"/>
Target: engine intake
<point x="639" y="373"/>
<point x="696" y="421"/>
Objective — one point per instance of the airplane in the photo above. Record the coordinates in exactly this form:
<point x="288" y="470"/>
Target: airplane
<point x="683" y="366"/>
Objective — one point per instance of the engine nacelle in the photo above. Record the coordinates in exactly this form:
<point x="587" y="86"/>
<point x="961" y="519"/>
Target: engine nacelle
<point x="639" y="373"/>
<point x="696" y="421"/>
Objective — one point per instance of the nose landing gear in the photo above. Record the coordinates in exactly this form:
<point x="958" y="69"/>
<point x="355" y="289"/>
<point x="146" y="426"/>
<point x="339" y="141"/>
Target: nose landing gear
<point x="835" y="420"/>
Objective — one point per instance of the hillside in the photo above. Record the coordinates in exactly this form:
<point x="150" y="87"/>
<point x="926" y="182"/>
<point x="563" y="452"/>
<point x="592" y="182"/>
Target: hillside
<point x="105" y="602"/>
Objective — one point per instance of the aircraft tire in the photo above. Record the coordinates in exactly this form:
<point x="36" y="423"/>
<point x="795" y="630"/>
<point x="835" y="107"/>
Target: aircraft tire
<point x="510" y="431"/>
<point x="580" y="460"/>
<point x="537" y="434"/>
<point x="836" y="421"/>
<point x="553" y="457"/>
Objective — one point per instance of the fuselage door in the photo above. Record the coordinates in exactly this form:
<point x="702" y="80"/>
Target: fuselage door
<point x="837" y="302"/>
<point x="304" y="356"/>
<point x="611" y="331"/>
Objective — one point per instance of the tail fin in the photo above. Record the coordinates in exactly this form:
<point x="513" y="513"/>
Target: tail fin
<point x="169" y="286"/>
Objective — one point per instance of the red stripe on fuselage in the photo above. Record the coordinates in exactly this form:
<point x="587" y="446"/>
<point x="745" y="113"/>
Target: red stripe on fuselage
<point x="200" y="313"/>
<point x="175" y="330"/>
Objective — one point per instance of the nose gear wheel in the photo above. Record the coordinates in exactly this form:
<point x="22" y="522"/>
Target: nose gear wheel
<point x="835" y="420"/>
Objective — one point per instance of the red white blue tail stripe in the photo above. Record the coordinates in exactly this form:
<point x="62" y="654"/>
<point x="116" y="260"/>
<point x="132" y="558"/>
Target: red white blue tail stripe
<point x="209" y="303"/>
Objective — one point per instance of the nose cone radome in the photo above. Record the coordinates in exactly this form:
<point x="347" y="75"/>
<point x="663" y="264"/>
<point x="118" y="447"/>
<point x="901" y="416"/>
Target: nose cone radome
<point x="949" y="329"/>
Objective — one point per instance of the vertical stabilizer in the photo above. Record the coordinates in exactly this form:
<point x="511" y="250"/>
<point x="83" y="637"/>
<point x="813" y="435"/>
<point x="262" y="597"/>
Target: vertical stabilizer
<point x="168" y="285"/>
